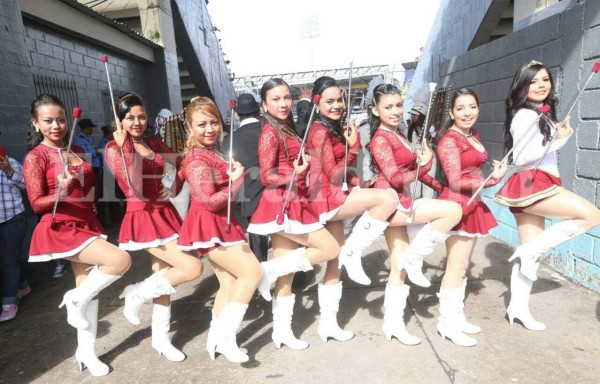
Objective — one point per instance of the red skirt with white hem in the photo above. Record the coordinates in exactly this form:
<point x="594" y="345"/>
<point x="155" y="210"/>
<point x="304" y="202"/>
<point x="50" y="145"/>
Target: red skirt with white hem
<point x="148" y="225"/>
<point x="299" y="218"/>
<point x="527" y="187"/>
<point x="477" y="219"/>
<point x="203" y="230"/>
<point x="66" y="237"/>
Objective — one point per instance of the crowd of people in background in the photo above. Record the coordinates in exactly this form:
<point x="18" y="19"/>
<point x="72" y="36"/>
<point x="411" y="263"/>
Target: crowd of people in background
<point x="297" y="191"/>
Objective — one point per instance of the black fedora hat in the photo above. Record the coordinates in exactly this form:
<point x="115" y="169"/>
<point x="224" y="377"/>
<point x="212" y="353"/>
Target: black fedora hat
<point x="246" y="104"/>
<point x="86" y="123"/>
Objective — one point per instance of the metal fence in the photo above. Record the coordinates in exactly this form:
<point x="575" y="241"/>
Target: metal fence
<point x="65" y="90"/>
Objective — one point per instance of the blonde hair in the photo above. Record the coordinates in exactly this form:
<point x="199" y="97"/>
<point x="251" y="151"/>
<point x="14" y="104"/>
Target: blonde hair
<point x="206" y="106"/>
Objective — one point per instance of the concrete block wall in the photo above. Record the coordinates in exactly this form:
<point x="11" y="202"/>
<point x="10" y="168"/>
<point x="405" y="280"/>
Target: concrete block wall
<point x="568" y="43"/>
<point x="199" y="29"/>
<point x="15" y="80"/>
<point x="61" y="56"/>
<point x="453" y="30"/>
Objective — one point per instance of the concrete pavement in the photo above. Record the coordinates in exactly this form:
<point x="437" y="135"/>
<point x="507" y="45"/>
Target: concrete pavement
<point x="39" y="346"/>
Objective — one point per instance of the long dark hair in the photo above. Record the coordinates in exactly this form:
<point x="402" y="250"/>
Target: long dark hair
<point x="334" y="126"/>
<point x="458" y="93"/>
<point x="517" y="99"/>
<point x="34" y="137"/>
<point x="374" y="121"/>
<point x="287" y="128"/>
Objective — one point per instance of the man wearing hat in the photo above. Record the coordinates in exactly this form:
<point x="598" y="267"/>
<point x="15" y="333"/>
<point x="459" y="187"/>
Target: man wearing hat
<point x="417" y="120"/>
<point x="85" y="141"/>
<point x="245" y="150"/>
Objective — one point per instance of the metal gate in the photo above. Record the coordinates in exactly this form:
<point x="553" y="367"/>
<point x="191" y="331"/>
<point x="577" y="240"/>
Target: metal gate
<point x="65" y="90"/>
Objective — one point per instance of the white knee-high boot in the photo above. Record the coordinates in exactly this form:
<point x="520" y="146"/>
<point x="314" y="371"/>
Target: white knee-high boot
<point x="136" y="294"/>
<point x="520" y="292"/>
<point x="161" y="324"/>
<point x="329" y="303"/>
<point x="283" y="309"/>
<point x="555" y="235"/>
<point x="394" y="304"/>
<point x="421" y="245"/>
<point x="86" y="343"/>
<point x="291" y="262"/>
<point x="449" y="324"/>
<point x="212" y="336"/>
<point x="77" y="299"/>
<point x="465" y="326"/>
<point x="228" y="324"/>
<point x="365" y="232"/>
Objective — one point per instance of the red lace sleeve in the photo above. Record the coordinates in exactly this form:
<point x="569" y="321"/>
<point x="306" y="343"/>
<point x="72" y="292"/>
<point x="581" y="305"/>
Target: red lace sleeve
<point x="449" y="155"/>
<point x="435" y="184"/>
<point x="114" y="159"/>
<point x="383" y="155"/>
<point x="34" y="173"/>
<point x="268" y="150"/>
<point x="203" y="181"/>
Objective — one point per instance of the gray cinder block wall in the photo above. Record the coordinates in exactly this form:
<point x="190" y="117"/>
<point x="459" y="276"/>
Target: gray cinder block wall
<point x="15" y="80"/>
<point x="568" y="43"/>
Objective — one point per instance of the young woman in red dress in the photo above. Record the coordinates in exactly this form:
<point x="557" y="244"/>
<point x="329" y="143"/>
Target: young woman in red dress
<point x="534" y="195"/>
<point x="150" y="222"/>
<point x="326" y="145"/>
<point x="74" y="233"/>
<point x="462" y="156"/>
<point x="206" y="169"/>
<point x="396" y="163"/>
<point x="278" y="147"/>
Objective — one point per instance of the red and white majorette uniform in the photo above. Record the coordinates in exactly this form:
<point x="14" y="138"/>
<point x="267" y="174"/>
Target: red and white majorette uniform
<point x="326" y="173"/>
<point x="75" y="224"/>
<point x="396" y="165"/>
<point x="148" y="221"/>
<point x="204" y="226"/>
<point x="526" y="185"/>
<point x="462" y="163"/>
<point x="276" y="168"/>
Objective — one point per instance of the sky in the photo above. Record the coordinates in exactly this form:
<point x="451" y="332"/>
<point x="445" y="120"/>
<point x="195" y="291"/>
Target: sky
<point x="262" y="37"/>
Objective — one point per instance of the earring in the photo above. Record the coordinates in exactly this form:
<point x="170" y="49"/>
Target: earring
<point x="37" y="129"/>
<point x="266" y="110"/>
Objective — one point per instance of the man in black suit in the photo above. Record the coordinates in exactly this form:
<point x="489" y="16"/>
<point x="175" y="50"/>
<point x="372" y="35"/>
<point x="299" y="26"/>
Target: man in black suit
<point x="303" y="109"/>
<point x="245" y="150"/>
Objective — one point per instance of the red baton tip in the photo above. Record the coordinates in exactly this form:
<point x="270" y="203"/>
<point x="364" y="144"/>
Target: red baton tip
<point x="76" y="112"/>
<point x="232" y="103"/>
<point x="545" y="109"/>
<point x="316" y="99"/>
<point x="596" y="67"/>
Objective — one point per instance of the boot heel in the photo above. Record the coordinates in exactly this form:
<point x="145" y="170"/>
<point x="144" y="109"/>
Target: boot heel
<point x="388" y="336"/>
<point x="211" y="353"/>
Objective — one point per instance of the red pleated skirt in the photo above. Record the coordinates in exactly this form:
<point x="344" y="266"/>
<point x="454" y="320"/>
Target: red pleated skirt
<point x="66" y="237"/>
<point x="527" y="187"/>
<point x="203" y="230"/>
<point x="477" y="219"/>
<point x="327" y="201"/>
<point x="148" y="225"/>
<point x="299" y="218"/>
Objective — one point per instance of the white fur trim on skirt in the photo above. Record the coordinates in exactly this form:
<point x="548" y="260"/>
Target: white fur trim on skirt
<point x="292" y="227"/>
<point x="134" y="246"/>
<point x="214" y="242"/>
<point x="466" y="234"/>
<point x="62" y="255"/>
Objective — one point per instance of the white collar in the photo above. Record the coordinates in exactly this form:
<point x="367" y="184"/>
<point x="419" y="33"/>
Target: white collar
<point x="247" y="121"/>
